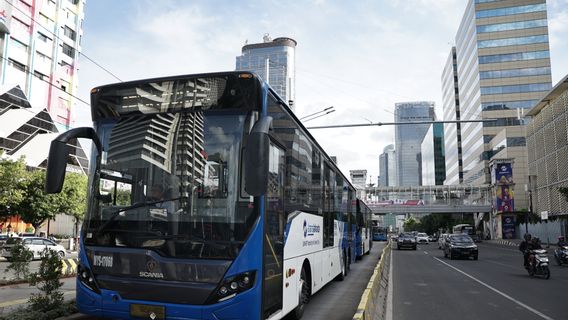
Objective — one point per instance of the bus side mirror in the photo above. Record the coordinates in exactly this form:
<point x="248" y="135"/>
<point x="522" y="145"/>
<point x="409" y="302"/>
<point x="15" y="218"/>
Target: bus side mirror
<point x="257" y="157"/>
<point x="59" y="153"/>
<point x="56" y="164"/>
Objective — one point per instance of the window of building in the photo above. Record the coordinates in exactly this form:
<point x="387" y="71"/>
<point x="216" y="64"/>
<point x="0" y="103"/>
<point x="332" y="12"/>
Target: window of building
<point x="20" y="24"/>
<point x="517" y="56"/>
<point x="17" y="65"/>
<point x="512" y="41"/>
<point x="510" y="10"/>
<point x="25" y="6"/>
<point x="68" y="50"/>
<point x="512" y="73"/>
<point x="533" y="87"/>
<point x="505" y="105"/>
<point x="512" y="26"/>
<point x="70" y="33"/>
<point x="43" y="37"/>
<point x="40" y="75"/>
<point x="20" y="45"/>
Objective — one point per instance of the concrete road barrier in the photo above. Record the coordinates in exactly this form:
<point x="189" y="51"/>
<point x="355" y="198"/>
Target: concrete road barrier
<point x="374" y="298"/>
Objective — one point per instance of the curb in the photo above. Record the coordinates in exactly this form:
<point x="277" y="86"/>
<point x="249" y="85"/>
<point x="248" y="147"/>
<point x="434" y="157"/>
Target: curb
<point x="371" y="299"/>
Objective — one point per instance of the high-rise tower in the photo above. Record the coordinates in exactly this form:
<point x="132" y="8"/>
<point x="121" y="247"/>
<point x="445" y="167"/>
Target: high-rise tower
<point x="408" y="139"/>
<point x="277" y="58"/>
<point x="503" y="68"/>
<point x="39" y="45"/>
<point x="451" y="111"/>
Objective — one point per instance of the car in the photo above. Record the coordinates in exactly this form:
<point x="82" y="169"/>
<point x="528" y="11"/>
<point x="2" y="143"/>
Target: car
<point x="406" y="240"/>
<point x="460" y="246"/>
<point x="36" y="245"/>
<point x="442" y="240"/>
<point x="422" y="238"/>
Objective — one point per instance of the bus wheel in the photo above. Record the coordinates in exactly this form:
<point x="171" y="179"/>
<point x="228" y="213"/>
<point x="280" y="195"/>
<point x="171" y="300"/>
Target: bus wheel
<point x="341" y="276"/>
<point x="304" y="296"/>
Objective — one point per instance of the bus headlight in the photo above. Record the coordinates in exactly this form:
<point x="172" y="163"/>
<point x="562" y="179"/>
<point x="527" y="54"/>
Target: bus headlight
<point x="87" y="278"/>
<point x="231" y="286"/>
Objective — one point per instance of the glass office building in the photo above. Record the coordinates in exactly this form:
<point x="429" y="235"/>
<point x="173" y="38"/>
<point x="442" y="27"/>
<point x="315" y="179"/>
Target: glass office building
<point x="452" y="131"/>
<point x="277" y="57"/>
<point x="503" y="69"/>
<point x="387" y="167"/>
<point x="433" y="156"/>
<point x="408" y="139"/>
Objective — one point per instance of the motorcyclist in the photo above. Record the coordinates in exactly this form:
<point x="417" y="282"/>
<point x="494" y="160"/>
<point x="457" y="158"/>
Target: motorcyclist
<point x="524" y="247"/>
<point x="562" y="242"/>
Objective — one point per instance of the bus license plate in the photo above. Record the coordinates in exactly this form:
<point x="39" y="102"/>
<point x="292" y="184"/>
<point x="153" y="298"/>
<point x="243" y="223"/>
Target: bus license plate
<point x="147" y="311"/>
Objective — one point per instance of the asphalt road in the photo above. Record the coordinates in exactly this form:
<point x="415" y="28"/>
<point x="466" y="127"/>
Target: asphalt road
<point x="339" y="299"/>
<point x="428" y="286"/>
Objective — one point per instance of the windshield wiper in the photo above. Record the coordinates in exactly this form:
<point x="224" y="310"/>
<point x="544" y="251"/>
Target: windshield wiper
<point x="116" y="213"/>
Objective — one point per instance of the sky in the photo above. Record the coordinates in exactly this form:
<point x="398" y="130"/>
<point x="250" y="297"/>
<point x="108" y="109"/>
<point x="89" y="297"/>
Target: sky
<point x="360" y="57"/>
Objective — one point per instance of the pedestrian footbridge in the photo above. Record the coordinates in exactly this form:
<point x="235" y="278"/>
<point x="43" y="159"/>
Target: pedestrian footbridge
<point x="428" y="199"/>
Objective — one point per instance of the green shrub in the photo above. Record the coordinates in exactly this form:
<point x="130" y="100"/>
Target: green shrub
<point x="47" y="280"/>
<point x="20" y="260"/>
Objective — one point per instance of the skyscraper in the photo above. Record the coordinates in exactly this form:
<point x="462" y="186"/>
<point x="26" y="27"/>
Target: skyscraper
<point x="387" y="167"/>
<point x="503" y="69"/>
<point x="433" y="156"/>
<point x="277" y="57"/>
<point x="452" y="131"/>
<point x="39" y="46"/>
<point x="408" y="139"/>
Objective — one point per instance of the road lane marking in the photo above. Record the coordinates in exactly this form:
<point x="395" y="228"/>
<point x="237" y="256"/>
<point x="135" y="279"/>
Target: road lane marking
<point x="388" y="315"/>
<point x="538" y="313"/>
<point x="22" y="301"/>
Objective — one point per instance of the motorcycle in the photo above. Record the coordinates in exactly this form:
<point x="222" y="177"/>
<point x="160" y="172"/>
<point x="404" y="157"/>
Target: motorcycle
<point x="561" y="255"/>
<point x="538" y="263"/>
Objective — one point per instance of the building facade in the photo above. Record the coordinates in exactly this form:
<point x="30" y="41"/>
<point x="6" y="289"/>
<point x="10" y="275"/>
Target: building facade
<point x="433" y="156"/>
<point x="408" y="140"/>
<point x="40" y="43"/>
<point x="451" y="111"/>
<point x="387" y="167"/>
<point x="547" y="147"/>
<point x="277" y="58"/>
<point x="503" y="65"/>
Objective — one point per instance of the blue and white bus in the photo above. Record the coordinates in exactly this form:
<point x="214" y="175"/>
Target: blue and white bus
<point x="364" y="225"/>
<point x="229" y="208"/>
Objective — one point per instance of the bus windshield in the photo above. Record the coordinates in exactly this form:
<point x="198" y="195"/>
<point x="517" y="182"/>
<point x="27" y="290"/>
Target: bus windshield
<point x="170" y="182"/>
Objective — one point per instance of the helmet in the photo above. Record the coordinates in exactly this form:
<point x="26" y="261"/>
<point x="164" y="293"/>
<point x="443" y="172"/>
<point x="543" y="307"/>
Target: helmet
<point x="561" y="239"/>
<point x="528" y="236"/>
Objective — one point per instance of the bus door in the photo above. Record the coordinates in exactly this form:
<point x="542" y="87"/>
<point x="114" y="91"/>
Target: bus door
<point x="274" y="226"/>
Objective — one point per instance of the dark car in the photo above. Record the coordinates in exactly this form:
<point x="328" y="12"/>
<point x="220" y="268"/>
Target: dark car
<point x="460" y="246"/>
<point x="406" y="240"/>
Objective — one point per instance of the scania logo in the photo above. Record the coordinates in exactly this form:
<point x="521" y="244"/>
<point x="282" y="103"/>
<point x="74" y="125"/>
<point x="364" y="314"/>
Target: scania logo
<point x="151" y="265"/>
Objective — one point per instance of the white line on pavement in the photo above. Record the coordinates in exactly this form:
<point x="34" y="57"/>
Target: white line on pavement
<point x="538" y="313"/>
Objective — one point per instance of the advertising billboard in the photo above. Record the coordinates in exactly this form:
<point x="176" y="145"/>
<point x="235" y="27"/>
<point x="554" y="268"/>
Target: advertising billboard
<point x="508" y="227"/>
<point x="505" y="199"/>
<point x="503" y="174"/>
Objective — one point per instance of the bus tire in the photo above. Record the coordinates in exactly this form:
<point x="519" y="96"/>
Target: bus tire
<point x="304" y="296"/>
<point x="341" y="276"/>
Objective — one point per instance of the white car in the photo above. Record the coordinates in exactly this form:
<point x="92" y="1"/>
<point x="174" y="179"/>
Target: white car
<point x="422" y="238"/>
<point x="36" y="245"/>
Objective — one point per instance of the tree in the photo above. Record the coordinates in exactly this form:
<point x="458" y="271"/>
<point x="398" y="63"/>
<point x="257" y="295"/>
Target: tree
<point x="411" y="225"/>
<point x="12" y="175"/>
<point x="72" y="200"/>
<point x="36" y="206"/>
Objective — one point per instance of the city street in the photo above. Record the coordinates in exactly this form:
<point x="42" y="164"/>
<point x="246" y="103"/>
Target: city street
<point x="429" y="286"/>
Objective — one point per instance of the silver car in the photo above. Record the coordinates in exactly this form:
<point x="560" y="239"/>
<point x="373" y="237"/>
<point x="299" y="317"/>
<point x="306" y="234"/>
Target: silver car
<point x="36" y="245"/>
